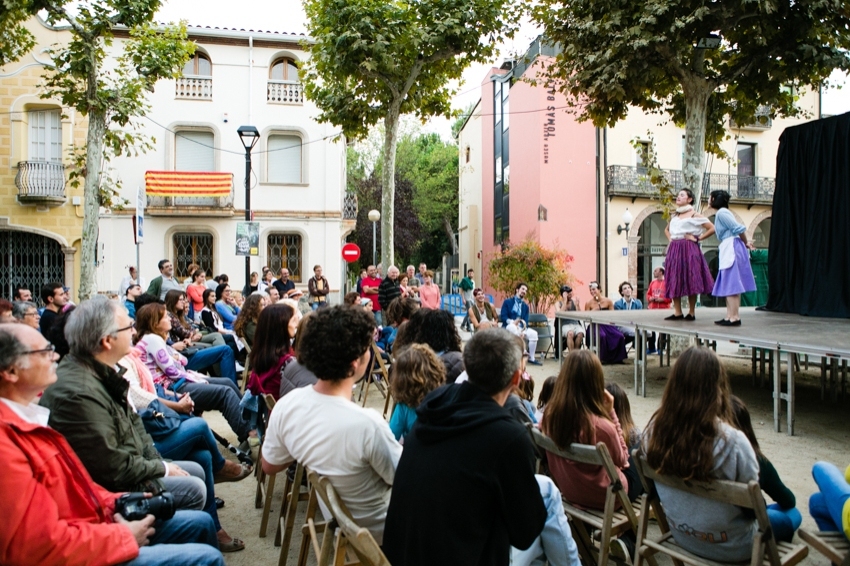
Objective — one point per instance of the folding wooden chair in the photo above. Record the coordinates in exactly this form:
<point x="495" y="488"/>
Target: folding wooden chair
<point x="834" y="545"/>
<point x="377" y="368"/>
<point x="346" y="533"/>
<point x="265" y="482"/>
<point x="246" y="373"/>
<point x="747" y="496"/>
<point x="292" y="495"/>
<point x="609" y="522"/>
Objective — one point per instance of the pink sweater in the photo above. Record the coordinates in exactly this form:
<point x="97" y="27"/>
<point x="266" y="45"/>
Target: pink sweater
<point x="429" y="295"/>
<point x="584" y="485"/>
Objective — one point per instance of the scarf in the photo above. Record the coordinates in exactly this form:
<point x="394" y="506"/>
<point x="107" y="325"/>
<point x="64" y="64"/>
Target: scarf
<point x="684" y="209"/>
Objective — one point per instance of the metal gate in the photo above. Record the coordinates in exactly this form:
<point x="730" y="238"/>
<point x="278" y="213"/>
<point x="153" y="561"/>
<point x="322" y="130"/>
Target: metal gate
<point x="29" y="260"/>
<point x="192" y="248"/>
<point x="284" y="250"/>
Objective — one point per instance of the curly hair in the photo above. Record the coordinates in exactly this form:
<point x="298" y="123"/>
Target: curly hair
<point x="415" y="373"/>
<point x="578" y="394"/>
<point x="171" y="299"/>
<point x="430" y="326"/>
<point x="401" y="309"/>
<point x="683" y="431"/>
<point x="250" y="312"/>
<point x="345" y="331"/>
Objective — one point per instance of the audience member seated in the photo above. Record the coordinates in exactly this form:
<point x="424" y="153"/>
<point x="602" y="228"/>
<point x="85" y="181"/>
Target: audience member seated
<point x="571" y="330"/>
<point x="169" y="369"/>
<point x="192" y="441"/>
<point x="399" y="312"/>
<point x="246" y="323"/>
<point x="627" y="303"/>
<point x="226" y="305"/>
<point x="272" y="349"/>
<point x="182" y="330"/>
<point x="514" y="316"/>
<point x="26" y="312"/>
<point x="6" y="312"/>
<point x="449" y="502"/>
<point x="688" y="437"/>
<point x="59" y="515"/>
<point x="130" y="295"/>
<point x="294" y="375"/>
<point x="612" y="343"/>
<point x="415" y="373"/>
<point x="323" y="429"/>
<point x="212" y="321"/>
<point x="351" y="299"/>
<point x="829" y="507"/>
<point x="784" y="517"/>
<point x="482" y="314"/>
<point x="111" y="440"/>
<point x="437" y="329"/>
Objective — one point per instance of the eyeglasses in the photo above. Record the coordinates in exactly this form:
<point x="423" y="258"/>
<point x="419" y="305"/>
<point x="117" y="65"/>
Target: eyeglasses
<point x="49" y="349"/>
<point x="133" y="325"/>
<point x="32" y="314"/>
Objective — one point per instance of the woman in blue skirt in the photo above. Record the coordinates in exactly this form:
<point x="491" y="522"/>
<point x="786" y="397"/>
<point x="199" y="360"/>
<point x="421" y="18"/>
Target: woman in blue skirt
<point x="735" y="275"/>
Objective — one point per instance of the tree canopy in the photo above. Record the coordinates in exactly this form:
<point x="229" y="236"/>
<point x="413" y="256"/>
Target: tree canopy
<point x="374" y="60"/>
<point x="700" y="62"/>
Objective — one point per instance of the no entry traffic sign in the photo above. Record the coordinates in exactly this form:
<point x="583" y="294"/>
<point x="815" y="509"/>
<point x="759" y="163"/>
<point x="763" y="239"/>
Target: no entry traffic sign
<point x="350" y="252"/>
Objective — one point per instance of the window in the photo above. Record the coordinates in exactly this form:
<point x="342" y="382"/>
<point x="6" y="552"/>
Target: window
<point x="284" y="159"/>
<point x="283" y="69"/>
<point x="194" y="151"/>
<point x="642" y="153"/>
<point x="284" y="250"/>
<point x="199" y="65"/>
<point x="192" y="248"/>
<point x="746" y="170"/>
<point x="45" y="136"/>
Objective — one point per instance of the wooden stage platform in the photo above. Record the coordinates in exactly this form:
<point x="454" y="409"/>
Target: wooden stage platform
<point x="774" y="332"/>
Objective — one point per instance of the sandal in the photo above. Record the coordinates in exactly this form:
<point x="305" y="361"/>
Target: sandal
<point x="234" y="545"/>
<point x="233" y="472"/>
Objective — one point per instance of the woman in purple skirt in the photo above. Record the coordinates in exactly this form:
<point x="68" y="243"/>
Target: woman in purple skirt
<point x="735" y="275"/>
<point x="687" y="272"/>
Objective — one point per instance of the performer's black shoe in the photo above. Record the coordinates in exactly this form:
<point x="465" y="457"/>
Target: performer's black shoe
<point x="724" y="322"/>
<point x="690" y="317"/>
<point x="730" y="322"/>
<point x="674" y="317"/>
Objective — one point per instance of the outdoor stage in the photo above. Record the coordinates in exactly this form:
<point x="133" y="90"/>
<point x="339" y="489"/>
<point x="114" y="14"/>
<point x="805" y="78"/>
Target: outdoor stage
<point x="776" y="333"/>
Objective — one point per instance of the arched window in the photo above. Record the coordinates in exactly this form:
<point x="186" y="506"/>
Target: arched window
<point x="199" y="65"/>
<point x="283" y="69"/>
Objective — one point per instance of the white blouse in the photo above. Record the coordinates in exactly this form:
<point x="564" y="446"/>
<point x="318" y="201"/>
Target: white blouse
<point x="681" y="226"/>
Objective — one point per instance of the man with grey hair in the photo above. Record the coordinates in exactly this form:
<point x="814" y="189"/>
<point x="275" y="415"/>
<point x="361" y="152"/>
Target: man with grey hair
<point x="466" y="475"/>
<point x="61" y="516"/>
<point x="388" y="290"/>
<point x="89" y="406"/>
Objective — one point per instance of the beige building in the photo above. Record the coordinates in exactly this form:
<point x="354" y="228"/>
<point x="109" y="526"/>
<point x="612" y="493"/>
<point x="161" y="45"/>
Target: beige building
<point x="41" y="217"/>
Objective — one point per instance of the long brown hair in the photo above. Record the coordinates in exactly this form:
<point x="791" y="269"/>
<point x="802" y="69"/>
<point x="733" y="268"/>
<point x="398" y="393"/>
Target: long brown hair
<point x="742" y="421"/>
<point x="271" y="341"/>
<point x="682" y="432"/>
<point x="415" y="373"/>
<point x="623" y="409"/>
<point x="147" y="319"/>
<point x="579" y="393"/>
<point x="250" y="313"/>
<point x="171" y="299"/>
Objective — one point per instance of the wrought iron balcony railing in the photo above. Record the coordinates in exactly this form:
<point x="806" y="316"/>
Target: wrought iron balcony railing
<point x="193" y="87"/>
<point x="630" y="181"/>
<point x="40" y="182"/>
<point x="187" y="203"/>
<point x="349" y="207"/>
<point x="285" y="92"/>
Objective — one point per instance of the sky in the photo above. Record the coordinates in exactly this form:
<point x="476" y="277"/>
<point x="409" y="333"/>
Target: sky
<point x="288" y="16"/>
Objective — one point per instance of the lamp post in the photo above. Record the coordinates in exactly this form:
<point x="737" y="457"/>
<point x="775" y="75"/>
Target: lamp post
<point x="249" y="136"/>
<point x="374" y="216"/>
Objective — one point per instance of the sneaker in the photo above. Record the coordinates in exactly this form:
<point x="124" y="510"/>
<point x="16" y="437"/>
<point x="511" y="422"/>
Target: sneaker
<point x="651" y="352"/>
<point x="239" y="367"/>
<point x="535" y="362"/>
<point x="618" y="550"/>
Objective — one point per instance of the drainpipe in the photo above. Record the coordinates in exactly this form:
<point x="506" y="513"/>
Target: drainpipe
<point x="598" y="205"/>
<point x="605" y="196"/>
<point x="250" y="78"/>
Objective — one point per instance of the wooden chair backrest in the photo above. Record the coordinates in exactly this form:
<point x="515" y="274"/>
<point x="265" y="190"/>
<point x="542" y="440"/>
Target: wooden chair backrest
<point x="360" y="539"/>
<point x="246" y="373"/>
<point x="745" y="495"/>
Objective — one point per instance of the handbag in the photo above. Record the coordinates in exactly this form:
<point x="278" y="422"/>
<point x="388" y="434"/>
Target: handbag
<point x="160" y="420"/>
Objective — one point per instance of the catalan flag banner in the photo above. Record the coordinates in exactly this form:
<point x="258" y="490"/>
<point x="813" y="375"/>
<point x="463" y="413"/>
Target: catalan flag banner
<point x="188" y="184"/>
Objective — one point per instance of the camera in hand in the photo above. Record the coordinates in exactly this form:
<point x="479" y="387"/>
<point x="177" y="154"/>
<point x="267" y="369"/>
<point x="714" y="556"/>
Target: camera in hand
<point x="136" y="506"/>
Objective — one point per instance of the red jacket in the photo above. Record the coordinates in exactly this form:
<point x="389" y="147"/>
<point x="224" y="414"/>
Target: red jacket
<point x="53" y="512"/>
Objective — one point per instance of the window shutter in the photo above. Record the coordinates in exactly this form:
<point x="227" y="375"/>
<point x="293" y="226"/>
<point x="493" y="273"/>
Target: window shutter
<point x="194" y="151"/>
<point x="284" y="158"/>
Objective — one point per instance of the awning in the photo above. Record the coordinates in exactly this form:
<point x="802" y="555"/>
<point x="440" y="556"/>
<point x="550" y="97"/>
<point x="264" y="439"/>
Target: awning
<point x="188" y="184"/>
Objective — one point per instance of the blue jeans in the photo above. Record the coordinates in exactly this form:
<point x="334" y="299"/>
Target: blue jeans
<point x="187" y="539"/>
<point x="193" y="434"/>
<point x="555" y="544"/>
<point x="221" y="355"/>
<point x="784" y="522"/>
<point x="827" y="505"/>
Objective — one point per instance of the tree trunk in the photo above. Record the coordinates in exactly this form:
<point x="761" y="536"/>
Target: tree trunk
<point x="388" y="186"/>
<point x="91" y="204"/>
<point x="697" y="92"/>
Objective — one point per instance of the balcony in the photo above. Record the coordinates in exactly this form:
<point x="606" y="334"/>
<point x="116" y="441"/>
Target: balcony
<point x="349" y="206"/>
<point x="762" y="121"/>
<point x="187" y="182"/>
<point x="193" y="87"/>
<point x="285" y="92"/>
<point x="632" y="182"/>
<point x="41" y="183"/>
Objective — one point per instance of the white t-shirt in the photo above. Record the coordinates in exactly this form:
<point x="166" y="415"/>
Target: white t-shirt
<point x="353" y="447"/>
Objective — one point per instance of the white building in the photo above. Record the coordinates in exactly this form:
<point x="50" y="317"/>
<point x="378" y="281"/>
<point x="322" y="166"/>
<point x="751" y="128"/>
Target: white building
<point x="236" y="78"/>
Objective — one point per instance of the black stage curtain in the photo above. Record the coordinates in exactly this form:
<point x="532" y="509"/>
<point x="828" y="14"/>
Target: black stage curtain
<point x="809" y="259"/>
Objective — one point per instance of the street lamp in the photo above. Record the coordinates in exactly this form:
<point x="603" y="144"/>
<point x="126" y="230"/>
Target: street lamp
<point x="627" y="220"/>
<point x="374" y="216"/>
<point x="249" y="136"/>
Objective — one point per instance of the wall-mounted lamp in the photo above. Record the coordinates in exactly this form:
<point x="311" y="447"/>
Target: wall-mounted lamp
<point x="627" y="220"/>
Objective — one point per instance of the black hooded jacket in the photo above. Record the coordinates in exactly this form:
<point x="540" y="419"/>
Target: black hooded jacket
<point x="464" y="490"/>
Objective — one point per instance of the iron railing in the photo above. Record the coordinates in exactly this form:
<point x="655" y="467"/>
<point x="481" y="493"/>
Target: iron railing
<point x="192" y="202"/>
<point x="38" y="180"/>
<point x="349" y="207"/>
<point x="194" y="87"/>
<point x="285" y="92"/>
<point x="630" y="181"/>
